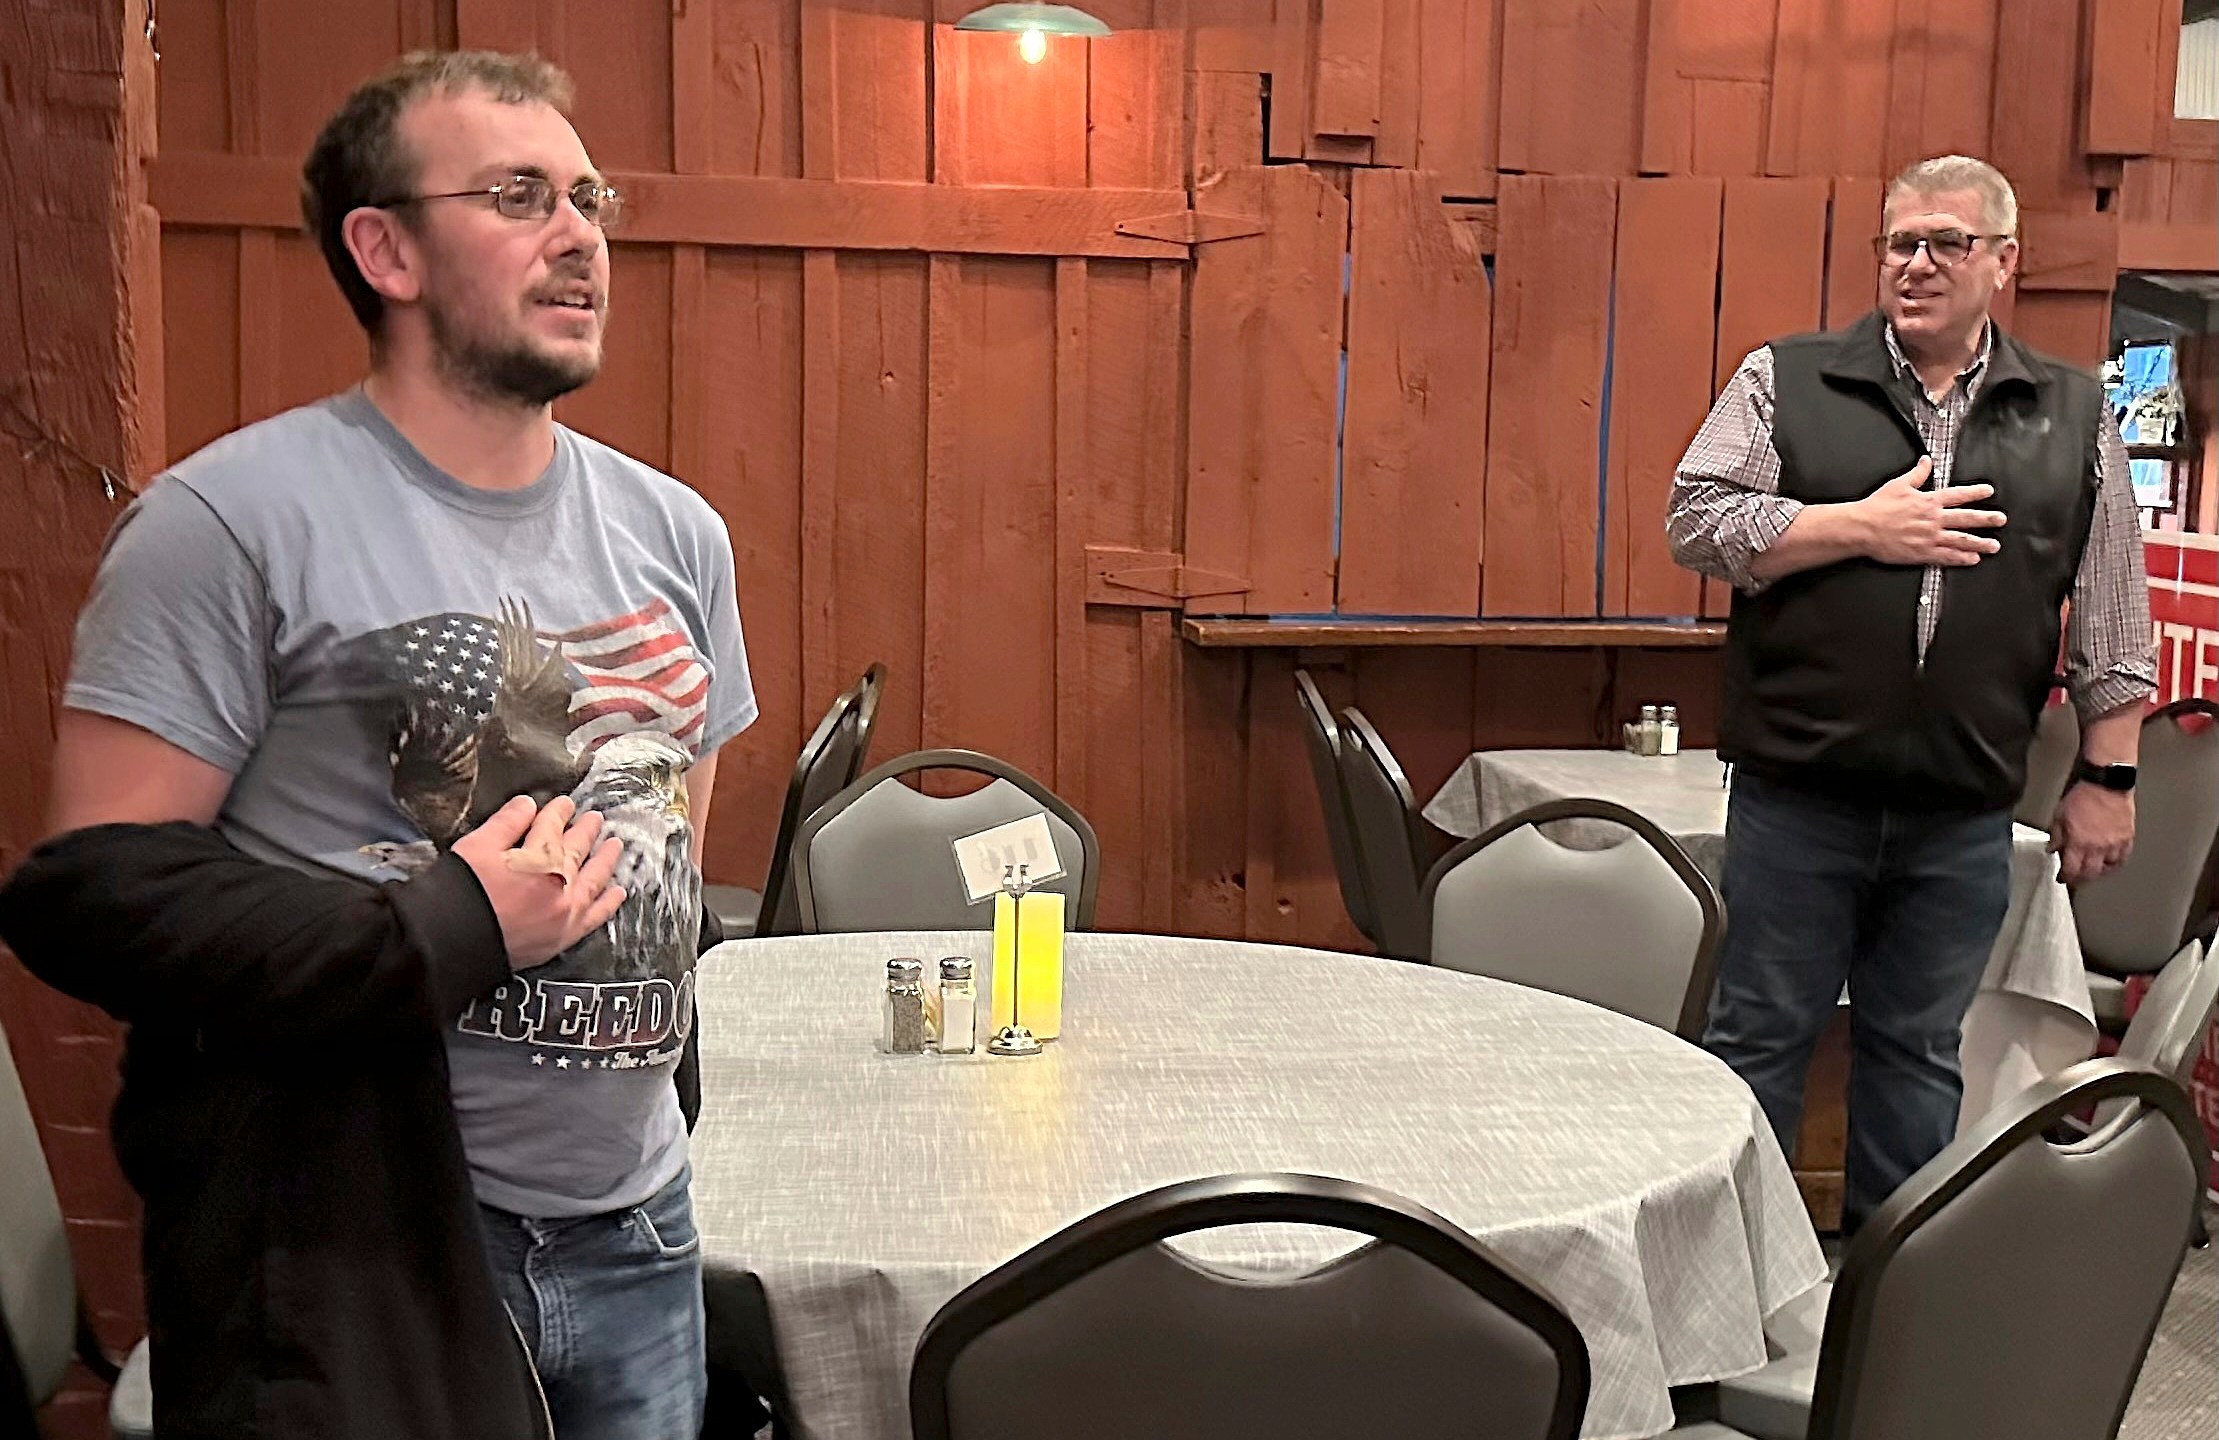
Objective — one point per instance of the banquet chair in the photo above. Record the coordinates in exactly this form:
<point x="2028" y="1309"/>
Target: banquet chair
<point x="828" y="764"/>
<point x="2009" y="1290"/>
<point x="1633" y="928"/>
<point x="1102" y="1332"/>
<point x="2167" y="1030"/>
<point x="42" y="1325"/>
<point x="879" y="855"/>
<point x="1321" y="738"/>
<point x="2132" y="921"/>
<point x="2049" y="765"/>
<point x="1393" y="843"/>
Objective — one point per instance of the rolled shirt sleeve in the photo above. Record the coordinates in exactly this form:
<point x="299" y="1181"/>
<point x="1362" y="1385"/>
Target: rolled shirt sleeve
<point x="1726" y="508"/>
<point x="2110" y="653"/>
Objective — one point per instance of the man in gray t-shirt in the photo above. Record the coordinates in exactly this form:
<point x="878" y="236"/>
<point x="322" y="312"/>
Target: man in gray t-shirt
<point x="349" y="635"/>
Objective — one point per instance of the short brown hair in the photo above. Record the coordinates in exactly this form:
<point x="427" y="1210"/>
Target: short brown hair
<point x="359" y="160"/>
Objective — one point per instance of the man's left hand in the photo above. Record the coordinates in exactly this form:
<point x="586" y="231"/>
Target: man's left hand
<point x="2093" y="832"/>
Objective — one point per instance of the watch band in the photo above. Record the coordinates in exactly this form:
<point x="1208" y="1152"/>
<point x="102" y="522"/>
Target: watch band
<point x="2118" y="778"/>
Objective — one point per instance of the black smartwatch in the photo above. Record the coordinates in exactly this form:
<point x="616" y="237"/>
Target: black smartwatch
<point x="2118" y="778"/>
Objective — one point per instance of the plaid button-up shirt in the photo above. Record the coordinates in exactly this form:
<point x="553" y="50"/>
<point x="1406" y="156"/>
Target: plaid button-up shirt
<point x="1727" y="508"/>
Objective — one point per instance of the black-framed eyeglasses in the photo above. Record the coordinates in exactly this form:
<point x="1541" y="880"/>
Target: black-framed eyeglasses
<point x="533" y="197"/>
<point x="1944" y="247"/>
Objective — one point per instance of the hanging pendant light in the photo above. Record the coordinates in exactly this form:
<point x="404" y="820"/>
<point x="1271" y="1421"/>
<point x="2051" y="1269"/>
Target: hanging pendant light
<point x="1032" y="24"/>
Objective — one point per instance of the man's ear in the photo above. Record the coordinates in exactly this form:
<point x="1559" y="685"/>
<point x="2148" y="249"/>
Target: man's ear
<point x="385" y="252"/>
<point x="2007" y="262"/>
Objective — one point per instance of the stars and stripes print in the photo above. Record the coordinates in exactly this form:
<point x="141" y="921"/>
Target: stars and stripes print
<point x="639" y="672"/>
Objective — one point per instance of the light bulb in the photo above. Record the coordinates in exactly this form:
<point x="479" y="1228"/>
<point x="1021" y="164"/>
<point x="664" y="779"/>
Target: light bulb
<point x="1033" y="45"/>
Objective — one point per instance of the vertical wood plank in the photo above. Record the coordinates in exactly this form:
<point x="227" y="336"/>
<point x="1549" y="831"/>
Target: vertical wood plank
<point x="944" y="585"/>
<point x="1414" y="442"/>
<point x="1264" y="374"/>
<point x="883" y="49"/>
<point x="1709" y="64"/>
<point x="1544" y="440"/>
<point x="1135" y="110"/>
<point x="1571" y="87"/>
<point x="1852" y="267"/>
<point x="1292" y="30"/>
<point x="1667" y="269"/>
<point x="1073" y="693"/>
<point x="751" y="419"/>
<point x="498" y="25"/>
<point x="1941" y="79"/>
<point x="2034" y="138"/>
<point x="1345" y="98"/>
<point x="689" y="360"/>
<point x="260" y="320"/>
<point x="820" y="89"/>
<point x="750" y="72"/>
<point x="820" y="472"/>
<point x="1401" y="77"/>
<point x="1771" y="265"/>
<point x="692" y="85"/>
<point x="243" y="74"/>
<point x="1829" y="89"/>
<point x="1228" y="124"/>
<point x="1459" y="76"/>
<point x="1000" y="121"/>
<point x="2121" y="111"/>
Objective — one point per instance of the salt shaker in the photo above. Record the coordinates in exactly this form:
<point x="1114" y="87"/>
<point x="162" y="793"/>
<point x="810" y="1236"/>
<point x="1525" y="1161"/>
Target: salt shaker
<point x="1668" y="731"/>
<point x="1650" y="730"/>
<point x="959" y="999"/>
<point x="904" y="1029"/>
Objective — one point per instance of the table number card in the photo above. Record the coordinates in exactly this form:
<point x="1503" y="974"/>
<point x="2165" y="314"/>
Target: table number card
<point x="984" y="858"/>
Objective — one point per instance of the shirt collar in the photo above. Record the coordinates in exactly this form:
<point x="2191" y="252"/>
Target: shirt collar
<point x="1969" y="376"/>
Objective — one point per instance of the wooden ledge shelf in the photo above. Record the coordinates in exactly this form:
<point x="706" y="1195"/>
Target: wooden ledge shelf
<point x="1532" y="634"/>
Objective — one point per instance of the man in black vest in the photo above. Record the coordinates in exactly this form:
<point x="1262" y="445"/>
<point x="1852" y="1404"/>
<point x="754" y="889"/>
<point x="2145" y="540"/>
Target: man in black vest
<point x="1903" y="509"/>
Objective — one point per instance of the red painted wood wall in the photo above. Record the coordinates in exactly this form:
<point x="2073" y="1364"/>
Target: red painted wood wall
<point x="1001" y="372"/>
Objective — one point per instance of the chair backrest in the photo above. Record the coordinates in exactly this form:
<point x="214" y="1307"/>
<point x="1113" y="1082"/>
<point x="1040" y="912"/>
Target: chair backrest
<point x="2168" y="1026"/>
<point x="1321" y="737"/>
<point x="2049" y="764"/>
<point x="1390" y="845"/>
<point x="1102" y="1331"/>
<point x="2009" y="1290"/>
<point x="828" y="764"/>
<point x="38" y="1284"/>
<point x="880" y="856"/>
<point x="2132" y="920"/>
<point x="1632" y="928"/>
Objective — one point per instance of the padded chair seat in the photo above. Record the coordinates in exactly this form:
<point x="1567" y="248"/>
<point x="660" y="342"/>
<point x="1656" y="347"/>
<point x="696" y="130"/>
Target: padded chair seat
<point x="1773" y="1403"/>
<point x="2109" y="995"/>
<point x="736" y="908"/>
<point x="1705" y="1430"/>
<point x="131" y="1403"/>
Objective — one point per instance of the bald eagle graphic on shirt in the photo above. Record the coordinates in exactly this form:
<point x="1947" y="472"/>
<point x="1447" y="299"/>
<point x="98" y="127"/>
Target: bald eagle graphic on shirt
<point x="484" y="708"/>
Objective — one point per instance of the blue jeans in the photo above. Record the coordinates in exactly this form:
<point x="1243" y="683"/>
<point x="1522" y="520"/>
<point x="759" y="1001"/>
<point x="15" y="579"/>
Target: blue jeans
<point x="611" y="1308"/>
<point x="1903" y="906"/>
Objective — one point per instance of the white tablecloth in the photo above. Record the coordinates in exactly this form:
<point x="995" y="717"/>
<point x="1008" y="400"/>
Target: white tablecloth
<point x="2032" y="1017"/>
<point x="1627" y="1171"/>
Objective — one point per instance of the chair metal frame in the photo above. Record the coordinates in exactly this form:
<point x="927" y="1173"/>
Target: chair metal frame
<point x="1703" y="974"/>
<point x="857" y="704"/>
<point x="1191" y="1205"/>
<point x="1322" y="741"/>
<point x="1405" y="937"/>
<point x="1090" y="848"/>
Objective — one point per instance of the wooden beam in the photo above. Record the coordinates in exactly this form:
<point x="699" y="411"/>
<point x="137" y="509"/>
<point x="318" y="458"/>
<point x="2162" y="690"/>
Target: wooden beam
<point x="1370" y="634"/>
<point x="747" y="210"/>
<point x="2151" y="245"/>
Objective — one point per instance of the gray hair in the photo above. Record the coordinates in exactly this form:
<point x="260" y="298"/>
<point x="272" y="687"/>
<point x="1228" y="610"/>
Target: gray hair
<point x="1945" y="173"/>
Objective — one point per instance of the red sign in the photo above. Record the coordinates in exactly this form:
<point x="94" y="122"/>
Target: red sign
<point x="2184" y="612"/>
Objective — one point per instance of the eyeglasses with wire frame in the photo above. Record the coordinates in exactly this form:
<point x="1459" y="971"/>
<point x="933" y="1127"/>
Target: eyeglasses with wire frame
<point x="533" y="197"/>
<point x="1944" y="247"/>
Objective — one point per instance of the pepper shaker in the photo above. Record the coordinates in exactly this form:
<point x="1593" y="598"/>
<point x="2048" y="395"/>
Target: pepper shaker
<point x="1650" y="730"/>
<point x="903" y="1031"/>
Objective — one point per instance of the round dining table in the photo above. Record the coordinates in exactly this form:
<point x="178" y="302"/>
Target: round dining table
<point x="1627" y="1172"/>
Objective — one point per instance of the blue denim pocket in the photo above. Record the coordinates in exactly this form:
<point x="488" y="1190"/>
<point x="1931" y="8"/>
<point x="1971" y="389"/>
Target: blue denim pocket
<point x="666" y="1219"/>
